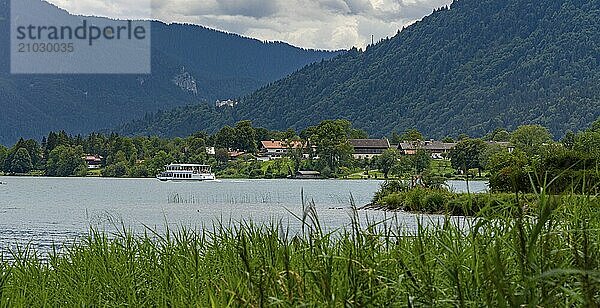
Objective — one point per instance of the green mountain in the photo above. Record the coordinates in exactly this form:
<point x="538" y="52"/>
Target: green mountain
<point x="190" y="65"/>
<point x="468" y="68"/>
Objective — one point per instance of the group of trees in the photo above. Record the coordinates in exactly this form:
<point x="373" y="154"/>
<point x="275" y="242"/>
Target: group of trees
<point x="60" y="154"/>
<point x="22" y="158"/>
<point x="537" y="161"/>
<point x="326" y="148"/>
<point x="524" y="160"/>
<point x="392" y="162"/>
<point x="532" y="157"/>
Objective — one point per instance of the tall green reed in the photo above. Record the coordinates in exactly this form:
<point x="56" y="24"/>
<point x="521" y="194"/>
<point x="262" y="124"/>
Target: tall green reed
<point x="545" y="256"/>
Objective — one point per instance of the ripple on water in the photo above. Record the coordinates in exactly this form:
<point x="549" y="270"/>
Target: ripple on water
<point x="14" y="241"/>
<point x="42" y="212"/>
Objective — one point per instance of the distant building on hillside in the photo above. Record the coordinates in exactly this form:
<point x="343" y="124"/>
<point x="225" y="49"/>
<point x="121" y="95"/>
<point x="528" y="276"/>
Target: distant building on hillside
<point x="93" y="161"/>
<point x="368" y="148"/>
<point x="227" y="103"/>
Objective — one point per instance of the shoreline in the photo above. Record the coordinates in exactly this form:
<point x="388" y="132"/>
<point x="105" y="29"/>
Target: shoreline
<point x="458" y="179"/>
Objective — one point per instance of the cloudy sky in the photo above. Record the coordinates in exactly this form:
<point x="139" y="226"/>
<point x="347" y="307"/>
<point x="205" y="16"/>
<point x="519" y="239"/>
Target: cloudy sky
<point x="322" y="24"/>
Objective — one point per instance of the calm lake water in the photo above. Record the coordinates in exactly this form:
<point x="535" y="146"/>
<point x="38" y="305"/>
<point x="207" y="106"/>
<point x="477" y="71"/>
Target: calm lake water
<point x="43" y="211"/>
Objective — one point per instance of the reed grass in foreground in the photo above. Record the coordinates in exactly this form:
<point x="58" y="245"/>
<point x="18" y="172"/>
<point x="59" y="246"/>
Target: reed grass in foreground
<point x="550" y="259"/>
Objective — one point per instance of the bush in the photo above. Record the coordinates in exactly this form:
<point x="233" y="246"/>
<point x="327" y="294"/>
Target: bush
<point x="139" y="171"/>
<point x="442" y="201"/>
<point x="434" y="201"/>
<point x="256" y="173"/>
<point x="116" y="171"/>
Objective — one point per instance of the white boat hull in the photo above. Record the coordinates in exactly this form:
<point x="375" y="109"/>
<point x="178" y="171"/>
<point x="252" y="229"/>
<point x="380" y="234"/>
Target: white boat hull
<point x="195" y="178"/>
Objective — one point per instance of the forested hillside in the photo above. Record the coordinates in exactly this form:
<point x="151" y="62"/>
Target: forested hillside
<point x="469" y="68"/>
<point x="219" y="66"/>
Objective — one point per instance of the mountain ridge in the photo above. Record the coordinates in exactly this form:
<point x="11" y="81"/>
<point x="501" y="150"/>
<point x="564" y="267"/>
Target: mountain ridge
<point x="468" y="68"/>
<point x="191" y="64"/>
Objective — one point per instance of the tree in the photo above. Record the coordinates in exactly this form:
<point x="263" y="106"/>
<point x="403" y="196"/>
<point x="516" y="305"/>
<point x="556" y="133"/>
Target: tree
<point x="222" y="155"/>
<point x="595" y="126"/>
<point x="395" y="138"/>
<point x="157" y="163"/>
<point x="467" y="155"/>
<point x="295" y="153"/>
<point x="387" y="161"/>
<point x="117" y="170"/>
<point x="3" y="156"/>
<point x="448" y="139"/>
<point x="140" y="171"/>
<point x="404" y="165"/>
<point x="509" y="172"/>
<point x="498" y="135"/>
<point x="331" y="140"/>
<point x="34" y="150"/>
<point x="245" y="137"/>
<point x="118" y="157"/>
<point x="195" y="150"/>
<point x="54" y="140"/>
<point x="225" y="138"/>
<point x="568" y="140"/>
<point x="421" y="161"/>
<point x="588" y="142"/>
<point x="412" y="135"/>
<point x="21" y="162"/>
<point x="489" y="152"/>
<point x="462" y="136"/>
<point x="66" y="161"/>
<point x="358" y="134"/>
<point x="531" y="138"/>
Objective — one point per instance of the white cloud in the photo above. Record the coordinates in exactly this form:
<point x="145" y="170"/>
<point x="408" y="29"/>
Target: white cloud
<point x="323" y="24"/>
<point x="135" y="9"/>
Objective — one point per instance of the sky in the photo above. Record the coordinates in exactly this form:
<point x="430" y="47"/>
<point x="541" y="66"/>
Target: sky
<point x="318" y="24"/>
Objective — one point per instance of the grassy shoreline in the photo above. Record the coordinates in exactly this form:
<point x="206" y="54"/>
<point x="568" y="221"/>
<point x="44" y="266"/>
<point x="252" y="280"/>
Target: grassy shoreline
<point x="550" y="257"/>
<point x="444" y="202"/>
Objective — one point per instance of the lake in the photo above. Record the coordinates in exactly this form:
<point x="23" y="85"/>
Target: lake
<point x="43" y="211"/>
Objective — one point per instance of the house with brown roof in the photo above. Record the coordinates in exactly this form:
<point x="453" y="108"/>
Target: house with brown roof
<point x="368" y="148"/>
<point x="275" y="149"/>
<point x="93" y="161"/>
<point x="234" y="155"/>
<point x="437" y="149"/>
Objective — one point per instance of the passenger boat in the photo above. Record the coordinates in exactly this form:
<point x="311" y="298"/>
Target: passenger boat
<point x="187" y="172"/>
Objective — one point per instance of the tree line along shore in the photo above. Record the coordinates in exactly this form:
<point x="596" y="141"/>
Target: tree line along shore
<point x="236" y="152"/>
